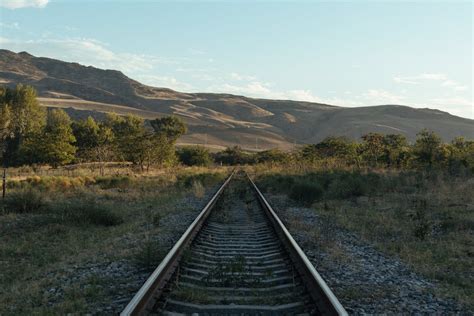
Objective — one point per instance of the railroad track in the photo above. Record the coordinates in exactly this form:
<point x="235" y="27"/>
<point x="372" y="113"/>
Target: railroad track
<point x="236" y="258"/>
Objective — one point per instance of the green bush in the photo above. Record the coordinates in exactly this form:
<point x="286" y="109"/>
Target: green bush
<point x="206" y="179"/>
<point x="194" y="156"/>
<point x="306" y="192"/>
<point x="80" y="211"/>
<point x="111" y="182"/>
<point x="149" y="255"/>
<point x="347" y="186"/>
<point x="25" y="200"/>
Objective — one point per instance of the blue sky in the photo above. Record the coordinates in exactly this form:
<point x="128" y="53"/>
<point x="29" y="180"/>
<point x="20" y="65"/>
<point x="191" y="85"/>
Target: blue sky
<point x="355" y="53"/>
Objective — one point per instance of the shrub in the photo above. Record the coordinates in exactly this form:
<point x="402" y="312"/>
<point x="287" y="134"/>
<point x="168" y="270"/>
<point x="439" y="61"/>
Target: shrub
<point x="110" y="182"/>
<point x="306" y="192"/>
<point x="198" y="189"/>
<point x="149" y="255"/>
<point x="206" y="179"/>
<point x="194" y="156"/>
<point x="25" y="200"/>
<point x="347" y="186"/>
<point x="87" y="211"/>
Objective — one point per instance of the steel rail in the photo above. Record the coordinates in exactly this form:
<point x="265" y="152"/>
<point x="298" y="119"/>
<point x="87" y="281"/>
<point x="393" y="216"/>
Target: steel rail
<point x="325" y="299"/>
<point x="149" y="293"/>
<point x="154" y="285"/>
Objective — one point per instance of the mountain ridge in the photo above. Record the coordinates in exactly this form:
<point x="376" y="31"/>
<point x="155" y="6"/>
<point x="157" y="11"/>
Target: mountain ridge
<point x="219" y="119"/>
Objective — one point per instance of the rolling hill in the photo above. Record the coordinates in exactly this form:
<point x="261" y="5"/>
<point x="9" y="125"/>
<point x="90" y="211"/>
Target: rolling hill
<point x="216" y="119"/>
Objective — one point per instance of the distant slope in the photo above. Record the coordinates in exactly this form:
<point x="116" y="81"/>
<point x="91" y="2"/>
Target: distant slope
<point x="217" y="119"/>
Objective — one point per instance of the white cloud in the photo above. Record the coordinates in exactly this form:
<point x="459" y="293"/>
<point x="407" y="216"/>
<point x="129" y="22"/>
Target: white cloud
<point x="239" y="77"/>
<point x="454" y="105"/>
<point x="18" y="4"/>
<point x="85" y="51"/>
<point x="13" y="26"/>
<point x="164" y="81"/>
<point x="375" y="96"/>
<point x="418" y="79"/>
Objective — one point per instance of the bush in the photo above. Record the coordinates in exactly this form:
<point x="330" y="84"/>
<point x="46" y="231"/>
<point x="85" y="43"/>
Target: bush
<point x="111" y="182"/>
<point x="81" y="211"/>
<point x="206" y="179"/>
<point x="347" y="186"/>
<point x="194" y="156"/>
<point x="25" y="200"/>
<point x="149" y="255"/>
<point x="306" y="192"/>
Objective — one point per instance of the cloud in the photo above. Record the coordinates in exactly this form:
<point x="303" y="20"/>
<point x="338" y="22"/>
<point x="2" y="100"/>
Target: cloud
<point x="240" y="77"/>
<point x="85" y="51"/>
<point x="13" y="26"/>
<point x="18" y="4"/>
<point x="165" y="82"/>
<point x="454" y="105"/>
<point x="382" y="97"/>
<point x="418" y="79"/>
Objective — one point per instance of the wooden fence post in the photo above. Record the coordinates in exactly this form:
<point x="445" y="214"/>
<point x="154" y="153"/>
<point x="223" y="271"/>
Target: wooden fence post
<point x="4" y="182"/>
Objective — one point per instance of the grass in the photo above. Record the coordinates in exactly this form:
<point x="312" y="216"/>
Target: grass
<point x="426" y="220"/>
<point x="101" y="220"/>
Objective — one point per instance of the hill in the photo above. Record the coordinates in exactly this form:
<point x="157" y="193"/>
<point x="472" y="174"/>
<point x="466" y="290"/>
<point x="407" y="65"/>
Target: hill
<point x="216" y="119"/>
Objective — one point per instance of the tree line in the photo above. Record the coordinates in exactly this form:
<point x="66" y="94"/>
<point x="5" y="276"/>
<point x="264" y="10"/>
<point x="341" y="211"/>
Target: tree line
<point x="29" y="134"/>
<point x="374" y="150"/>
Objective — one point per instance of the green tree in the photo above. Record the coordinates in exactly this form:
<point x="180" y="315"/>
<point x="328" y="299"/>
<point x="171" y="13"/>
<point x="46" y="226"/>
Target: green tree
<point x="5" y="128"/>
<point x="170" y="126"/>
<point x="56" y="142"/>
<point x="373" y="148"/>
<point x="339" y="149"/>
<point x="194" y="156"/>
<point x="427" y="150"/>
<point x="272" y="156"/>
<point x="233" y="156"/>
<point x="94" y="141"/>
<point x="26" y="122"/>
<point x="141" y="145"/>
<point x="396" y="150"/>
<point x="127" y="131"/>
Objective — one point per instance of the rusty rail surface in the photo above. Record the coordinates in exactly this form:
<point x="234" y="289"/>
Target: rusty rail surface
<point x="150" y="292"/>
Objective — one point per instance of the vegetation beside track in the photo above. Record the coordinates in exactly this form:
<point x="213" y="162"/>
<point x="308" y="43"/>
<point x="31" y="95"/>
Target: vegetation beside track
<point x="50" y="225"/>
<point x="424" y="218"/>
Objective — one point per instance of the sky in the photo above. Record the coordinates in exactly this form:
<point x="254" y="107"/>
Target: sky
<point x="353" y="53"/>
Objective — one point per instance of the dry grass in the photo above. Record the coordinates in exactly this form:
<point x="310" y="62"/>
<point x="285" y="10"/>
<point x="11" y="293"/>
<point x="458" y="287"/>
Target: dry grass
<point x="38" y="246"/>
<point x="426" y="220"/>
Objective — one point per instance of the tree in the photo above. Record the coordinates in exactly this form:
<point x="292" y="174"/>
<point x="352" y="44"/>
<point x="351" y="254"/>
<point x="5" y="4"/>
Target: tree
<point x="373" y="148"/>
<point x="170" y="126"/>
<point x="427" y="150"/>
<point x="141" y="145"/>
<point x="396" y="150"/>
<point x="56" y="142"/>
<point x="194" y="156"/>
<point x="5" y="128"/>
<point x="233" y="156"/>
<point x="94" y="141"/>
<point x="272" y="156"/>
<point x="127" y="131"/>
<point x="337" y="148"/>
<point x="26" y="122"/>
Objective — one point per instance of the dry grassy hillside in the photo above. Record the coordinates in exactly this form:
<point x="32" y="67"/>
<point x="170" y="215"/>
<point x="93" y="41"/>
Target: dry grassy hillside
<point x="217" y="119"/>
